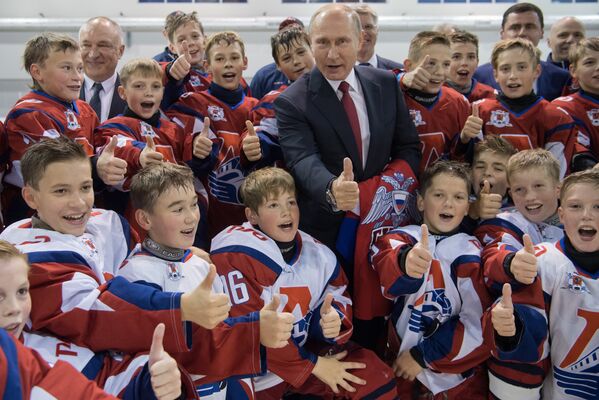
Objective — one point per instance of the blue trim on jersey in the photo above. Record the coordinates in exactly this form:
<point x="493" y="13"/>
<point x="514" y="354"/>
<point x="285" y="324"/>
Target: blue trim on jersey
<point x="405" y="285"/>
<point x="381" y="390"/>
<point x="140" y="387"/>
<point x="71" y="105"/>
<point x="579" y="384"/>
<point x="143" y="296"/>
<point x="12" y="389"/>
<point x="440" y="343"/>
<point x="461" y="260"/>
<point x="59" y="257"/>
<point x="267" y="106"/>
<point x="529" y="369"/>
<point x="126" y="231"/>
<point x="21" y="111"/>
<point x="434" y="103"/>
<point x="120" y="127"/>
<point x="521" y="112"/>
<point x="298" y="249"/>
<point x="584" y="95"/>
<point x="562" y="248"/>
<point x="503" y="224"/>
<point x="534" y="333"/>
<point x="94" y="366"/>
<point x="558" y="128"/>
<point x="186" y="110"/>
<point x="234" y="107"/>
<point x="251" y="252"/>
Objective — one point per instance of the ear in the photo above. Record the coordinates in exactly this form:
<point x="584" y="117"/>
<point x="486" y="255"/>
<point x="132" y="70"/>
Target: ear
<point x="172" y="47"/>
<point x="245" y="63"/>
<point x="143" y="219"/>
<point x="207" y="66"/>
<point x="572" y="69"/>
<point x="251" y="216"/>
<point x="537" y="71"/>
<point x="407" y="65"/>
<point x="122" y="93"/>
<point x="495" y="74"/>
<point x="29" y="195"/>
<point x="121" y="50"/>
<point x="560" y="213"/>
<point x="420" y="202"/>
<point x="35" y="72"/>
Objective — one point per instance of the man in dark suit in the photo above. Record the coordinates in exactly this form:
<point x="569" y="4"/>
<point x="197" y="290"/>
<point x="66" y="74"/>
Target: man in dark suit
<point x="101" y="42"/>
<point x="525" y="20"/>
<point x="316" y="132"/>
<point x="370" y="32"/>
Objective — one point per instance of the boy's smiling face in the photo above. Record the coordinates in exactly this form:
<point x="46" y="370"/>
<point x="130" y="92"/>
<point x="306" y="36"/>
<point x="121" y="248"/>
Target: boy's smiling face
<point x="226" y="63"/>
<point x="464" y="61"/>
<point x="142" y="94"/>
<point x="296" y="60"/>
<point x="492" y="167"/>
<point x="60" y="75"/>
<point x="535" y="193"/>
<point x="277" y="217"/>
<point x="515" y="73"/>
<point x="191" y="33"/>
<point x="445" y="203"/>
<point x="579" y="213"/>
<point x="15" y="302"/>
<point x="64" y="196"/>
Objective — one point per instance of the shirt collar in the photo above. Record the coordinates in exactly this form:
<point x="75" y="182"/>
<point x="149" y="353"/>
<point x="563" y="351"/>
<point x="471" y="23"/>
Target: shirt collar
<point x="372" y="61"/>
<point x="351" y="79"/>
<point x="107" y="85"/>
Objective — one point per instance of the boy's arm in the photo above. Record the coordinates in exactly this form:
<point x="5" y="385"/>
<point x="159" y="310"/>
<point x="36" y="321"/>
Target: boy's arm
<point x="388" y="257"/>
<point x="292" y="363"/>
<point x="560" y="136"/>
<point x="457" y="345"/>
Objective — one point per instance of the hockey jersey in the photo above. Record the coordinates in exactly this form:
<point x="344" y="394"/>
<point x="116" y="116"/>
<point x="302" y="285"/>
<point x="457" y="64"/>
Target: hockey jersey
<point x="439" y="314"/>
<point x="478" y="91"/>
<point x="541" y="125"/>
<point x="38" y="115"/>
<point x="560" y="317"/>
<point x="584" y="110"/>
<point x="263" y="114"/>
<point x="181" y="276"/>
<point x="439" y="125"/>
<point x="227" y="130"/>
<point x="25" y="375"/>
<point x="502" y="236"/>
<point x="253" y="270"/>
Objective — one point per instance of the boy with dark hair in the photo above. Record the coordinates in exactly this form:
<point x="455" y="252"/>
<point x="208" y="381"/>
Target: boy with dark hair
<point x="75" y="252"/>
<point x="464" y="60"/>
<point x="440" y="114"/>
<point x="237" y="147"/>
<point x="544" y="336"/>
<point x="518" y="114"/>
<point x="436" y="283"/>
<point x="583" y="106"/>
<point x="268" y="256"/>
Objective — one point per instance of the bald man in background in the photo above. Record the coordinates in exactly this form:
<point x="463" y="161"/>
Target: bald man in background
<point x="564" y="35"/>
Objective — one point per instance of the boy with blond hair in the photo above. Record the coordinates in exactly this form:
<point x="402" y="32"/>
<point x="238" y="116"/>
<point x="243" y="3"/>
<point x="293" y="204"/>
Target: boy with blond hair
<point x="226" y="111"/>
<point x="52" y="109"/>
<point x="533" y="177"/>
<point x="518" y="114"/>
<point x="268" y="256"/>
<point x="435" y="281"/>
<point x="583" y="106"/>
<point x="553" y="321"/>
<point x="75" y="252"/>
<point x="440" y="114"/>
<point x="166" y="209"/>
<point x="464" y="60"/>
<point x="142" y="375"/>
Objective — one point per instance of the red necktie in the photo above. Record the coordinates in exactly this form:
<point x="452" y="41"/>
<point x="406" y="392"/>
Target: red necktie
<point x="352" y="115"/>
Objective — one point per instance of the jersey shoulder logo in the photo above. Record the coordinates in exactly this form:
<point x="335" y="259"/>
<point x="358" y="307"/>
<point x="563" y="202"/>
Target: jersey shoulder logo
<point x="500" y="119"/>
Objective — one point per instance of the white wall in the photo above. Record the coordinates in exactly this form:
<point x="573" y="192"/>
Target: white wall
<point x="256" y="21"/>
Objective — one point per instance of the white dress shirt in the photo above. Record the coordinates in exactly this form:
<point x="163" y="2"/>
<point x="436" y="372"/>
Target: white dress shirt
<point x="374" y="61"/>
<point x="108" y="88"/>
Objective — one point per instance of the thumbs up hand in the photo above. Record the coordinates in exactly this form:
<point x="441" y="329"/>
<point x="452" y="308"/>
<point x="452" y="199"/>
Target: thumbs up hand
<point x="251" y="143"/>
<point x="164" y="372"/>
<point x="149" y="155"/>
<point x="275" y="327"/>
<point x="473" y="125"/>
<point x="419" y="258"/>
<point x="345" y="190"/>
<point x="330" y="322"/>
<point x="524" y="264"/>
<point x="419" y="77"/>
<point x="202" y="145"/>
<point x="489" y="204"/>
<point x="502" y="315"/>
<point x="204" y="307"/>
<point x="182" y="65"/>
<point x="111" y="169"/>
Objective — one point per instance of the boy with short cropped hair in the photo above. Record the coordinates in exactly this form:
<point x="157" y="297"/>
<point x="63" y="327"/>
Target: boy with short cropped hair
<point x="269" y="256"/>
<point x="166" y="209"/>
<point x="533" y="177"/>
<point x="519" y="115"/>
<point x="464" y="60"/>
<point x="436" y="283"/>
<point x="583" y="106"/>
<point x="141" y="375"/>
<point x="75" y="252"/>
<point x="50" y="110"/>
<point x="553" y="320"/>
<point x="440" y="114"/>
<point x="239" y="149"/>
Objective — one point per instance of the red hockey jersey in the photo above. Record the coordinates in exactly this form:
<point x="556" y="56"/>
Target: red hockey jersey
<point x="584" y="110"/>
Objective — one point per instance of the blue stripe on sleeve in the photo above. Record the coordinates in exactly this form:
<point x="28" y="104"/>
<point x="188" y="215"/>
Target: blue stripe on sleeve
<point x="12" y="390"/>
<point x="59" y="257"/>
<point x="143" y="296"/>
<point x="258" y="255"/>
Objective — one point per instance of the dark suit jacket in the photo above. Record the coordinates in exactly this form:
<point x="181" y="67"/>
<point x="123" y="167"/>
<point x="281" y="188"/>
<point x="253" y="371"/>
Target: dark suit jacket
<point x="550" y="84"/>
<point x="117" y="105"/>
<point x="315" y="136"/>
<point x="385" y="63"/>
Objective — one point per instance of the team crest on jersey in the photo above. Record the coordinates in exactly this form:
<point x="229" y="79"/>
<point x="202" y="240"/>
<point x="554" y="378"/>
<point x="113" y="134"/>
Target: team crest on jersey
<point x="225" y="181"/>
<point x="417" y="118"/>
<point x="72" y="122"/>
<point x="194" y="81"/>
<point x="146" y="129"/>
<point x="216" y="113"/>
<point x="594" y="116"/>
<point x="500" y="119"/>
<point x="575" y="283"/>
<point x="173" y="272"/>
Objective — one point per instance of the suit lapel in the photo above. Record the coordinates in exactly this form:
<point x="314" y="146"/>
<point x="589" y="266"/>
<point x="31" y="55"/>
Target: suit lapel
<point x="373" y="98"/>
<point x="117" y="105"/>
<point x="327" y="102"/>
